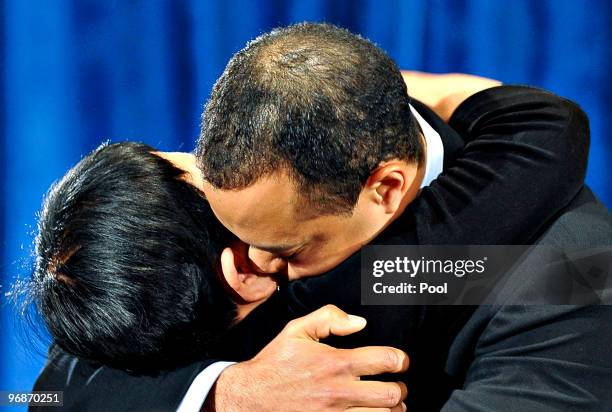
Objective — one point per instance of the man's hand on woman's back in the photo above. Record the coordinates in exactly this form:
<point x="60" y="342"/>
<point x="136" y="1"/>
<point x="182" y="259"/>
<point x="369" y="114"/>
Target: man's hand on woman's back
<point x="296" y="372"/>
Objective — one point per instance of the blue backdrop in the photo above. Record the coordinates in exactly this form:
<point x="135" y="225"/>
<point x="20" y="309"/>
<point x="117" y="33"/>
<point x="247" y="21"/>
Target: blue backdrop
<point x="74" y="73"/>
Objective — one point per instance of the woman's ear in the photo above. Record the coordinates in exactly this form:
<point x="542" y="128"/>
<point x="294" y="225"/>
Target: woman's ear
<point x="240" y="276"/>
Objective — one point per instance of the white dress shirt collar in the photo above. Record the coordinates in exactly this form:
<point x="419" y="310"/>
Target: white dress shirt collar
<point x="434" y="150"/>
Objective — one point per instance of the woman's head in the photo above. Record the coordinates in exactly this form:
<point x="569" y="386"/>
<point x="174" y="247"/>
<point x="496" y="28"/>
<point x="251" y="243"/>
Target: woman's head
<point x="127" y="259"/>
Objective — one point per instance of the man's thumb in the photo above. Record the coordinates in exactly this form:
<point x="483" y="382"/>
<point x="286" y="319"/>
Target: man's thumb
<point x="328" y="320"/>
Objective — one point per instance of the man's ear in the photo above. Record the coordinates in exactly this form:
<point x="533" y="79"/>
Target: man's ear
<point x="391" y="182"/>
<point x="248" y="284"/>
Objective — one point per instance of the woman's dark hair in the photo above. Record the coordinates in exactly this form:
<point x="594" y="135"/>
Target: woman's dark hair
<point x="126" y="269"/>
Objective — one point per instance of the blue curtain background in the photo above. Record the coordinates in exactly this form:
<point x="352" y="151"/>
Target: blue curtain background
<point x="75" y="73"/>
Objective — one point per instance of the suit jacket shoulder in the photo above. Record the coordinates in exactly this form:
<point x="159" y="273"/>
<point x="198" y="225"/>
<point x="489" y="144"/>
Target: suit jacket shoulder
<point x="544" y="357"/>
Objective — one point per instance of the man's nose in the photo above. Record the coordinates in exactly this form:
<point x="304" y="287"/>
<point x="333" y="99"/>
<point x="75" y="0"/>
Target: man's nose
<point x="267" y="262"/>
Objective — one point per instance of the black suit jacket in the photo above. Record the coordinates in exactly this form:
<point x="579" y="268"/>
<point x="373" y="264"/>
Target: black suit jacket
<point x="518" y="138"/>
<point x="513" y="358"/>
<point x="493" y="357"/>
<point x="539" y="357"/>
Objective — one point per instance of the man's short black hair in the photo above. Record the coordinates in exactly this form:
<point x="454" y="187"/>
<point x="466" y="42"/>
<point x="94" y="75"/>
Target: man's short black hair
<point x="313" y="100"/>
<point x="126" y="269"/>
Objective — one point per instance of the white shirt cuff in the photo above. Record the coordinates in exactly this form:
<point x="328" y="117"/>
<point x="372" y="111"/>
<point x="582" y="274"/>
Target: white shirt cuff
<point x="198" y="391"/>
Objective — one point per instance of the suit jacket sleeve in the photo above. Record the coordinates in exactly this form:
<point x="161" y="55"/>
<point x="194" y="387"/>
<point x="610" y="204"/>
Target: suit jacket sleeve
<point x="89" y="387"/>
<point x="524" y="160"/>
